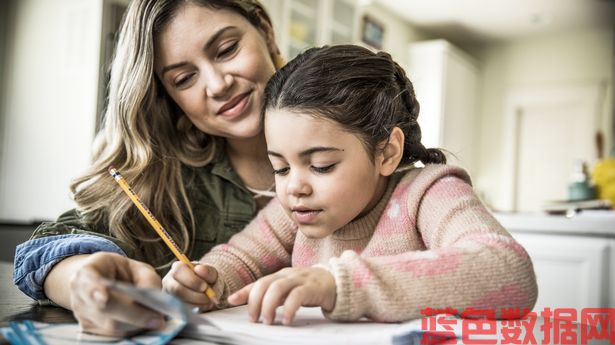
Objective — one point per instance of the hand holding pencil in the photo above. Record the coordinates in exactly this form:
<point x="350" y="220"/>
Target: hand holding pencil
<point x="157" y="227"/>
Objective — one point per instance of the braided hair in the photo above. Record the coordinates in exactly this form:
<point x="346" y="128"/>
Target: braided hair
<point x="366" y="93"/>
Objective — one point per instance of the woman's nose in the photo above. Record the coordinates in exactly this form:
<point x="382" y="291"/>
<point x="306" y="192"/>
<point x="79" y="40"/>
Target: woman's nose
<point x="217" y="82"/>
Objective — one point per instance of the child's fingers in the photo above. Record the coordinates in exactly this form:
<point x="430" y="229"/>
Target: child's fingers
<point x="293" y="302"/>
<point x="207" y="273"/>
<point x="240" y="296"/>
<point x="185" y="276"/>
<point x="274" y="296"/>
<point x="186" y="284"/>
<point x="255" y="297"/>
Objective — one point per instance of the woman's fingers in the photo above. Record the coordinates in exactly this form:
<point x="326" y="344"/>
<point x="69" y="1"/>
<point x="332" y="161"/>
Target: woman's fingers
<point x="144" y="275"/>
<point x="102" y="311"/>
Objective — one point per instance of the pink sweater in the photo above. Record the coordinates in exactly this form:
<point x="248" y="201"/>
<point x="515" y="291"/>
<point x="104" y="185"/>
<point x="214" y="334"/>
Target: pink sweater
<point x="429" y="243"/>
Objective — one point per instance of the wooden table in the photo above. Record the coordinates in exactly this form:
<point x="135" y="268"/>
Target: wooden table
<point x="15" y="305"/>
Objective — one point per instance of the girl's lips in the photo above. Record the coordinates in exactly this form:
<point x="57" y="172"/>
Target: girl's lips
<point x="236" y="106"/>
<point x="305" y="216"/>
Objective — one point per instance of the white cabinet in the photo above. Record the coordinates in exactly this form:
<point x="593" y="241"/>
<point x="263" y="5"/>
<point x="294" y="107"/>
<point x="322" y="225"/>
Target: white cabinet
<point x="309" y="23"/>
<point x="572" y="271"/>
<point x="574" y="259"/>
<point x="446" y="82"/>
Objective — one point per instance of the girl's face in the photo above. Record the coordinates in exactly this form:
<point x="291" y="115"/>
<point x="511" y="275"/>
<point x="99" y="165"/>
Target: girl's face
<point x="215" y="64"/>
<point x="324" y="176"/>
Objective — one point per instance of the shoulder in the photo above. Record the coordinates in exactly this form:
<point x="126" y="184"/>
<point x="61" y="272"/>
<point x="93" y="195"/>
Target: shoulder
<point x="423" y="178"/>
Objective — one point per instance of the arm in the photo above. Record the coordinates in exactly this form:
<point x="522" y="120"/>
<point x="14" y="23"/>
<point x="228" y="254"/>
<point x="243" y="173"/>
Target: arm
<point x="263" y="247"/>
<point x="470" y="261"/>
<point x="51" y="243"/>
<point x="74" y="267"/>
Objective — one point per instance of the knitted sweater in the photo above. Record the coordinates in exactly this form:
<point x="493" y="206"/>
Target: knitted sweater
<point x="429" y="243"/>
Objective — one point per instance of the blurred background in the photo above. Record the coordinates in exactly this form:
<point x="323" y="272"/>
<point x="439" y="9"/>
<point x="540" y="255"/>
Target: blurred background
<point x="520" y="92"/>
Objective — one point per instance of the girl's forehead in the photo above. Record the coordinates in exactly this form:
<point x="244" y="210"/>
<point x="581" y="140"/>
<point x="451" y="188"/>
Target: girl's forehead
<point x="294" y="121"/>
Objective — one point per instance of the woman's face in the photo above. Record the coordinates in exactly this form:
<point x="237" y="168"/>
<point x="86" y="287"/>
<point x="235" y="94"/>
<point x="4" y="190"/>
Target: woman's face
<point x="215" y="65"/>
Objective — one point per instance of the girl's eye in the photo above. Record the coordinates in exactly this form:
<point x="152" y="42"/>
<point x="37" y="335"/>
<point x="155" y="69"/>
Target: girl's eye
<point x="323" y="170"/>
<point x="282" y="171"/>
<point x="228" y="50"/>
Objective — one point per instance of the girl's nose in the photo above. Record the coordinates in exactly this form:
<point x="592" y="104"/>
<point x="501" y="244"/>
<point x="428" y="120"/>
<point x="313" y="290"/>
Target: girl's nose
<point x="298" y="186"/>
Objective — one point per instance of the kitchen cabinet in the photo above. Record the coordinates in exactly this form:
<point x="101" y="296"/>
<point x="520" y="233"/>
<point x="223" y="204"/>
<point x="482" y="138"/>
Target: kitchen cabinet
<point x="445" y="80"/>
<point x="309" y="23"/>
<point x="574" y="258"/>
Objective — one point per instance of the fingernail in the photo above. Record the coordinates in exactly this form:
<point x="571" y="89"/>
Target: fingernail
<point x="154" y="323"/>
<point x="99" y="297"/>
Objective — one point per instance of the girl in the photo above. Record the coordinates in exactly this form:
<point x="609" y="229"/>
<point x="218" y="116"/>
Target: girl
<point x="183" y="124"/>
<point x="356" y="228"/>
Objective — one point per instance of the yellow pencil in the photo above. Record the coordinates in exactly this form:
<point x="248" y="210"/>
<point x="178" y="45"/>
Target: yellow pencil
<point x="156" y="225"/>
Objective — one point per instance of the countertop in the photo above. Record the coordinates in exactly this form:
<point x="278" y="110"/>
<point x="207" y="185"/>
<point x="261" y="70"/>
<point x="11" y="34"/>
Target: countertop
<point x="596" y="223"/>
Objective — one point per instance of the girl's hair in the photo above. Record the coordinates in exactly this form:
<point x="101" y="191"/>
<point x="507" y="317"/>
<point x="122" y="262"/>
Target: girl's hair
<point x="367" y="93"/>
<point x="148" y="138"/>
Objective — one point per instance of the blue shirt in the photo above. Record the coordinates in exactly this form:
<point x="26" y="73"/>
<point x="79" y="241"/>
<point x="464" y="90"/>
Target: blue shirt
<point x="35" y="258"/>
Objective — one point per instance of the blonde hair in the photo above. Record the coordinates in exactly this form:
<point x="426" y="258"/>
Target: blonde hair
<point x="147" y="137"/>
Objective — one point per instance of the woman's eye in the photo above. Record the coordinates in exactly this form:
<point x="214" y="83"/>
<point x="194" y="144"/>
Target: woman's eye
<point x="228" y="50"/>
<point x="282" y="171"/>
<point x="183" y="80"/>
<point x="323" y="170"/>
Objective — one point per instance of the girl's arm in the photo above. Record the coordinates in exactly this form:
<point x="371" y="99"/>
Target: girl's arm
<point x="470" y="261"/>
<point x="263" y="247"/>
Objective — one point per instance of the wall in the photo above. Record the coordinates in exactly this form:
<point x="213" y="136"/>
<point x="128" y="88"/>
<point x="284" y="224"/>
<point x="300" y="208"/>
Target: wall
<point x="397" y="33"/>
<point x="571" y="57"/>
<point x="50" y="107"/>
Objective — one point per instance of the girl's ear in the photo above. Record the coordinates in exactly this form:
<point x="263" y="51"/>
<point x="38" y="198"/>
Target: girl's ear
<point x="392" y="152"/>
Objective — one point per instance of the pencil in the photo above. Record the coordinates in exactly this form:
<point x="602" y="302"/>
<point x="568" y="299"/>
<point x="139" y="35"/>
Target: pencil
<point x="156" y="225"/>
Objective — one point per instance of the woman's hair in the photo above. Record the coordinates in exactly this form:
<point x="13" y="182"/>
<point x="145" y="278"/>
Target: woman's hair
<point x="148" y="138"/>
<point x="367" y="93"/>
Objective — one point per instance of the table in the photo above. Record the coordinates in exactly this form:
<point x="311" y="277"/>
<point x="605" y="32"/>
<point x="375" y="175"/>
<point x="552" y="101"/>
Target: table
<point x="15" y="305"/>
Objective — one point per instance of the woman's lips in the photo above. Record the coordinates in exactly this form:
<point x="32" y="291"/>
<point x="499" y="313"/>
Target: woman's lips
<point x="236" y="106"/>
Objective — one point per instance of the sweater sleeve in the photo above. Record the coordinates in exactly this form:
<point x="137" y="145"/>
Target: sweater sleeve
<point x="470" y="261"/>
<point x="263" y="247"/>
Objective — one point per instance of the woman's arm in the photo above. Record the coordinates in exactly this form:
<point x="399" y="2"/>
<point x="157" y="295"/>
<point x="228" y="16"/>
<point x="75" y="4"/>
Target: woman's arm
<point x="82" y="283"/>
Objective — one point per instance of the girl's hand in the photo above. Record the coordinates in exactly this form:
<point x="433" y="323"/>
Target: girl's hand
<point x="190" y="285"/>
<point x="290" y="287"/>
<point x="102" y="311"/>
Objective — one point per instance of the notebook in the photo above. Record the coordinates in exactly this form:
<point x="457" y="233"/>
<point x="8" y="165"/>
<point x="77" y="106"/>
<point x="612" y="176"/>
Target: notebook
<point x="226" y="326"/>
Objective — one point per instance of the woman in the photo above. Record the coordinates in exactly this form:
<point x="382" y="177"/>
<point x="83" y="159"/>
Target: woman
<point x="183" y="125"/>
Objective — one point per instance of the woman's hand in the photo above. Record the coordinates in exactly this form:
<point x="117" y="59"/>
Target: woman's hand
<point x="290" y="287"/>
<point x="98" y="309"/>
<point x="190" y="285"/>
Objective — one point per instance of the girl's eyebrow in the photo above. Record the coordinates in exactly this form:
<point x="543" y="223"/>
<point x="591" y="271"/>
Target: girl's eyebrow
<point x="309" y="151"/>
<point x="207" y="45"/>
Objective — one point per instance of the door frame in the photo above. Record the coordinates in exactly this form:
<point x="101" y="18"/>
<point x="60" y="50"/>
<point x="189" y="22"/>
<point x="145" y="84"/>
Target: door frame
<point x="520" y="97"/>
